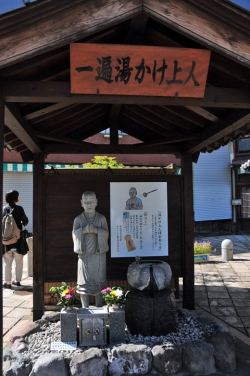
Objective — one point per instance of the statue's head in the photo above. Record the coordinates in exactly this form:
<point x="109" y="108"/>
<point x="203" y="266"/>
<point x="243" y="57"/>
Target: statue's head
<point x="132" y="192"/>
<point x="89" y="201"/>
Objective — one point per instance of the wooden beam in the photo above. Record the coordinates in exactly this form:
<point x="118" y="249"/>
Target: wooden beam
<point x="142" y="121"/>
<point x="1" y="201"/>
<point x="235" y="120"/>
<point x="109" y="149"/>
<point x="114" y="123"/>
<point x="38" y="236"/>
<point x="29" y="32"/>
<point x="44" y="111"/>
<point x="66" y="140"/>
<point x="156" y="123"/>
<point x="188" y="235"/>
<point x="164" y="141"/>
<point x="203" y="27"/>
<point x="27" y="156"/>
<point x="57" y="23"/>
<point x="55" y="92"/>
<point x="204" y="113"/>
<point x="21" y="128"/>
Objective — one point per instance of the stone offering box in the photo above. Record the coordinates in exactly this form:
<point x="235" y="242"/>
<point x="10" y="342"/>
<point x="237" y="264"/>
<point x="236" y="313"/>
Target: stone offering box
<point x="93" y="325"/>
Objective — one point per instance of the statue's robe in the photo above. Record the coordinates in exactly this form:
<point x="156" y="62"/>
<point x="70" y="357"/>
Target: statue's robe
<point x="91" y="249"/>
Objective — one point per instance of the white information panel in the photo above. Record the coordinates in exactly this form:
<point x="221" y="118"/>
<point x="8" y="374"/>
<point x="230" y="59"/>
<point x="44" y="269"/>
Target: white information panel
<point x="139" y="219"/>
<point x="63" y="346"/>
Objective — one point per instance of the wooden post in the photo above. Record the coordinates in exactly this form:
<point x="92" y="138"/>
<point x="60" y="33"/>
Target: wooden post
<point x="1" y="199"/>
<point x="38" y="237"/>
<point x="188" y="251"/>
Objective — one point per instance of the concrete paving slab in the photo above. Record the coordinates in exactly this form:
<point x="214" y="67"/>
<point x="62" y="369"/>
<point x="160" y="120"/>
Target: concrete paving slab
<point x="28" y="303"/>
<point x="222" y="310"/>
<point x="246" y="321"/>
<point x="243" y="311"/>
<point x="241" y="303"/>
<point x="220" y="302"/>
<point x="7" y="293"/>
<point x="9" y="322"/>
<point x="18" y="312"/>
<point x="242" y="295"/>
<point x="233" y="321"/>
<point x="12" y="302"/>
<point x="6" y="310"/>
<point x="232" y="289"/>
<point x="218" y="294"/>
<point x="202" y="302"/>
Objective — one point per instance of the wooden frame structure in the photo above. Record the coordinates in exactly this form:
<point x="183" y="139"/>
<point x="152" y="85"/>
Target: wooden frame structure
<point x="38" y="115"/>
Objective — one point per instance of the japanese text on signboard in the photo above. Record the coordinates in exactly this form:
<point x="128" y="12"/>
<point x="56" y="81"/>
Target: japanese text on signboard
<point x="128" y="70"/>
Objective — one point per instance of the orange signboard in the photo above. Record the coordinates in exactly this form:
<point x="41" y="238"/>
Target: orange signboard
<point x="138" y="70"/>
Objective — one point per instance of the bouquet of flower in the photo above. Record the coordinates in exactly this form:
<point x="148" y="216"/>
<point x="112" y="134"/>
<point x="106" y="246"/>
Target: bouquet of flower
<point x="66" y="295"/>
<point x="114" y="295"/>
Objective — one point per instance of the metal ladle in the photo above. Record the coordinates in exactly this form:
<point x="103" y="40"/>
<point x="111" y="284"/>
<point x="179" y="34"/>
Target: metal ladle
<point x="145" y="194"/>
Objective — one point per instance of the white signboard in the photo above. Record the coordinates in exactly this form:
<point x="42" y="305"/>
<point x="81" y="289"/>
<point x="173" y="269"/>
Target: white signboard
<point x="139" y="219"/>
<point x="68" y="346"/>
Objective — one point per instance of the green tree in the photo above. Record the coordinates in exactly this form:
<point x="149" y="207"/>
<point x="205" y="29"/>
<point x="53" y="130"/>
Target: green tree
<point x="103" y="162"/>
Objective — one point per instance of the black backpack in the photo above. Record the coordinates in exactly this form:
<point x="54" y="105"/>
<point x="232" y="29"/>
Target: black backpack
<point x="10" y="231"/>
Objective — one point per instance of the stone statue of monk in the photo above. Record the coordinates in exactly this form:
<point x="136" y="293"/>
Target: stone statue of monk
<point x="90" y="237"/>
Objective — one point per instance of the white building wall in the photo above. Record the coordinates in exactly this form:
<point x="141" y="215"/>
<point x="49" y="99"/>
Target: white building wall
<point x="212" y="186"/>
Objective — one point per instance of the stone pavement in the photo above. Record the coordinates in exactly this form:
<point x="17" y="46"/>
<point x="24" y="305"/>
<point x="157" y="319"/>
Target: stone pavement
<point x="17" y="304"/>
<point x="222" y="288"/>
<point x="222" y="291"/>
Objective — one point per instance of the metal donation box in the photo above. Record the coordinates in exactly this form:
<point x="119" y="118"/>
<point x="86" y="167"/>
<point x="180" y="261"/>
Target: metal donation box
<point x="92" y="326"/>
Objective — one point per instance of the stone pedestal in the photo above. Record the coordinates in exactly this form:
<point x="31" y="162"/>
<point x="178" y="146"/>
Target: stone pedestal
<point x="150" y="313"/>
<point x="92" y="326"/>
<point x="116" y="326"/>
<point x="68" y="325"/>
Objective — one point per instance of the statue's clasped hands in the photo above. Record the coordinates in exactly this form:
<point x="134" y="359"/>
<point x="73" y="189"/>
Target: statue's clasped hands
<point x="89" y="229"/>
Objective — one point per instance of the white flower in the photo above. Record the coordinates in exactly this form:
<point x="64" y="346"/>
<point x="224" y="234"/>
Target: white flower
<point x="118" y="293"/>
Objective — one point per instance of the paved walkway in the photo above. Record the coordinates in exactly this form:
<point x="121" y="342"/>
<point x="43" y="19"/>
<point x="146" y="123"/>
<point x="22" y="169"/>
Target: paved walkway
<point x="222" y="288"/>
<point x="222" y="291"/>
<point x="17" y="304"/>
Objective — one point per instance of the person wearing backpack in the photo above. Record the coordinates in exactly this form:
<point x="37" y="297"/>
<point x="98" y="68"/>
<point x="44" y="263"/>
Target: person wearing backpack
<point x="14" y="251"/>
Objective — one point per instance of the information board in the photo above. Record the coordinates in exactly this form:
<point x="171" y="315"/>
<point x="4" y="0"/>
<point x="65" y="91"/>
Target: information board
<point x="139" y="219"/>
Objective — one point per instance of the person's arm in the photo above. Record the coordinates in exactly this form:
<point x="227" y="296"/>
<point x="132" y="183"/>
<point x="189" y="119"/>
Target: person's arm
<point x="24" y="218"/>
<point x="140" y="206"/>
<point x="127" y="205"/>
<point x="77" y="233"/>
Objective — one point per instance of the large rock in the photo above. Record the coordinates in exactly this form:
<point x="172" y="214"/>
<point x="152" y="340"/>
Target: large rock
<point x="20" y="366"/>
<point x="149" y="314"/>
<point x="24" y="330"/>
<point x="197" y="357"/>
<point x="139" y="274"/>
<point x="19" y="346"/>
<point x="51" y="316"/>
<point x="224" y="351"/>
<point x="92" y="362"/>
<point x="50" y="364"/>
<point x="167" y="358"/>
<point x="130" y="360"/>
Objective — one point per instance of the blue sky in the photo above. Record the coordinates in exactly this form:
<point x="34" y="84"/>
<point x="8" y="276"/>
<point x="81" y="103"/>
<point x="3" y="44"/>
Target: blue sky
<point x="243" y="3"/>
<point x="8" y="5"/>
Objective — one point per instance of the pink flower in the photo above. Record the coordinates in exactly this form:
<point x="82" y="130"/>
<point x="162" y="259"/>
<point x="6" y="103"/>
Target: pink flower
<point x="68" y="296"/>
<point x="104" y="291"/>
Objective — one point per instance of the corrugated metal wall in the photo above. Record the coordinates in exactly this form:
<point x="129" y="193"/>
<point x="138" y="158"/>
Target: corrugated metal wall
<point x="212" y="186"/>
<point x="23" y="183"/>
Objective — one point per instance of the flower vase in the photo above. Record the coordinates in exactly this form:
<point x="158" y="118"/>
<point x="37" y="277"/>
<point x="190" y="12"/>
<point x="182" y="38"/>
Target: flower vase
<point x="67" y="308"/>
<point x="116" y="306"/>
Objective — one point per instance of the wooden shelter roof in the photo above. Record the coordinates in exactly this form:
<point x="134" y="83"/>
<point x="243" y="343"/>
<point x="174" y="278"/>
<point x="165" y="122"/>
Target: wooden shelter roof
<point x="41" y="116"/>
